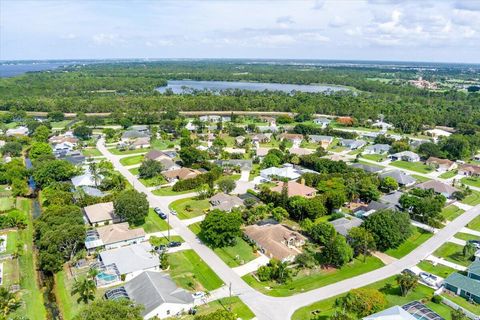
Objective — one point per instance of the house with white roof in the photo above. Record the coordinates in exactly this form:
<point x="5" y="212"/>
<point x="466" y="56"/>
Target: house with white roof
<point x="408" y="156"/>
<point x="437" y="133"/>
<point x="322" y="122"/>
<point x="287" y="171"/>
<point x="377" y="149"/>
<point x="18" y="131"/>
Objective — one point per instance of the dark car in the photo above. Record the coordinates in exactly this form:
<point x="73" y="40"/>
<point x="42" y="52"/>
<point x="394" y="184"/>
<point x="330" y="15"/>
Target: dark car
<point x="159" y="212"/>
<point x="161" y="248"/>
<point x="408" y="271"/>
<point x="174" y="244"/>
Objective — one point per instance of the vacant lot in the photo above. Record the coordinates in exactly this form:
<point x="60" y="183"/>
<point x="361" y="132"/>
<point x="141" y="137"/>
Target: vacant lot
<point x="418" y="237"/>
<point x="190" y="207"/>
<point x="91" y="152"/>
<point x="472" y="199"/>
<point x="438" y="269"/>
<point x="419" y="167"/>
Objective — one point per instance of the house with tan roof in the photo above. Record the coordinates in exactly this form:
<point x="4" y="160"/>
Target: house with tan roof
<point x="441" y="165"/>
<point x="439" y="187"/>
<point x="180" y="174"/>
<point x="100" y="214"/>
<point x="225" y="202"/>
<point x="301" y="151"/>
<point x="294" y="137"/>
<point x="156" y="155"/>
<point x="295" y="189"/>
<point x="140" y="143"/>
<point x="120" y="235"/>
<point x="469" y="170"/>
<point x="276" y="241"/>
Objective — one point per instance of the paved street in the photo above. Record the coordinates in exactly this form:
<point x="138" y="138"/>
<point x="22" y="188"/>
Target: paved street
<point x="266" y="307"/>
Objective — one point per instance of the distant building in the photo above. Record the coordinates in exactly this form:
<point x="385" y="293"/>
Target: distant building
<point x="408" y="156"/>
<point x="352" y="144"/>
<point x="180" y="174"/>
<point x="287" y="171"/>
<point x="324" y="141"/>
<point x="377" y="149"/>
<point x="322" y="122"/>
<point x="438" y="187"/>
<point x="401" y="177"/>
<point x="469" y="170"/>
<point x="441" y="165"/>
<point x="18" y="131"/>
<point x="295" y="189"/>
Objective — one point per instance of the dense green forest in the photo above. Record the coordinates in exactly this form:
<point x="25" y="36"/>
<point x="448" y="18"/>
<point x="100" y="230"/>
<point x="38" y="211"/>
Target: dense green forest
<point x="130" y="87"/>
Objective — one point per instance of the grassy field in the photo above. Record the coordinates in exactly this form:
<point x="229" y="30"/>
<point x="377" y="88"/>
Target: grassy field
<point x="448" y="174"/>
<point x="472" y="199"/>
<point x="169" y="192"/>
<point x="418" y="237"/>
<point x="153" y="223"/>
<point x="474" y="224"/>
<point x="374" y="157"/>
<point x="451" y="212"/>
<point x="312" y="279"/>
<point x="130" y="161"/>
<point x="475" y="308"/>
<point x="419" y="167"/>
<point x="189" y="271"/>
<point x="91" y="152"/>
<point x="195" y="207"/>
<point x="60" y="124"/>
<point x="452" y="252"/>
<point x="135" y="151"/>
<point x="322" y="310"/>
<point x="6" y="203"/>
<point x="439" y="269"/>
<point x="471" y="181"/>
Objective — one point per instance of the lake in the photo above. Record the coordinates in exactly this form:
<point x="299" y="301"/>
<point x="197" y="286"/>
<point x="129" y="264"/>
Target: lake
<point x="14" y="69"/>
<point x="178" y="86"/>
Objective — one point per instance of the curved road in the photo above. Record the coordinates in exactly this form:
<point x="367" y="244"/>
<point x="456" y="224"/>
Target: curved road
<point x="273" y="308"/>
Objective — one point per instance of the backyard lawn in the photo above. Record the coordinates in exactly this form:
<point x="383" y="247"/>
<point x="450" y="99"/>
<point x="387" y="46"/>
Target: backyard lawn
<point x="312" y="279"/>
<point x="60" y="124"/>
<point x="135" y="151"/>
<point x="6" y="203"/>
<point x="475" y="308"/>
<point x="438" y="269"/>
<point x="451" y="212"/>
<point x="91" y="152"/>
<point x="418" y="237"/>
<point x="153" y="223"/>
<point x="471" y="181"/>
<point x="466" y="236"/>
<point x="167" y="191"/>
<point x="452" y="252"/>
<point x="472" y="199"/>
<point x="448" y="174"/>
<point x="322" y="310"/>
<point x="419" y="167"/>
<point x="130" y="161"/>
<point x="190" y="207"/>
<point x="189" y="271"/>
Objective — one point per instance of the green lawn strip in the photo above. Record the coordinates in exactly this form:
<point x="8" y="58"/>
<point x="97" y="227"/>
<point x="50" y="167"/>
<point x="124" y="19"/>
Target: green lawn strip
<point x="11" y="125"/>
<point x="162" y="144"/>
<point x="452" y="212"/>
<point x="189" y="271"/>
<point x="130" y="161"/>
<point x="60" y="124"/>
<point x="234" y="304"/>
<point x="326" y="308"/>
<point x="153" y="223"/>
<point x="473" y="199"/>
<point x="413" y="166"/>
<point x="471" y="181"/>
<point x="11" y="272"/>
<point x="475" y="308"/>
<point x="12" y="240"/>
<point x="195" y="227"/>
<point x="117" y="152"/>
<point x="32" y="296"/>
<point x="438" y="269"/>
<point x="370" y="164"/>
<point x="420" y="178"/>
<point x="153" y="182"/>
<point x="134" y="170"/>
<point x="195" y="207"/>
<point x="474" y="224"/>
<point x="6" y="203"/>
<point x="91" y="152"/>
<point x="167" y="191"/>
<point x="311" y="279"/>
<point x="236" y="255"/>
<point x="452" y="252"/>
<point x="466" y="236"/>
<point x="448" y="174"/>
<point x="374" y="157"/>
<point x="418" y="237"/>
<point x="158" y="241"/>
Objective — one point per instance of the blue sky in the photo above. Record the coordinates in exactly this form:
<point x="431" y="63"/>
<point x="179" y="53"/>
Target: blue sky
<point x="362" y="29"/>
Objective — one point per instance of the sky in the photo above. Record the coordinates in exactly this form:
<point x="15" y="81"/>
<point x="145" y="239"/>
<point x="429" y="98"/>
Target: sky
<point x="396" y="30"/>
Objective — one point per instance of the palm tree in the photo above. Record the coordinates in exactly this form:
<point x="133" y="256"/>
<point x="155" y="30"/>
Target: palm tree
<point x="8" y="302"/>
<point x="95" y="172"/>
<point x="86" y="289"/>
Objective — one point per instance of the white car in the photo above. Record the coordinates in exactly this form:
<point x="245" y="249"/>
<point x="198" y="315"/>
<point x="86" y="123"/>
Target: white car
<point x="198" y="295"/>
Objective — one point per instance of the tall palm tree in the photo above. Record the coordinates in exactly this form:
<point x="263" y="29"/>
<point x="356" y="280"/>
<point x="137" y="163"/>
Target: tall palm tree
<point x="85" y="289"/>
<point x="8" y="302"/>
<point x="95" y="172"/>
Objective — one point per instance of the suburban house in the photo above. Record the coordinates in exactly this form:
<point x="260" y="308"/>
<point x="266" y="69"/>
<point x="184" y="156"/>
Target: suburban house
<point x="441" y="165"/>
<point x="156" y="155"/>
<point x="180" y="174"/>
<point x="119" y="235"/>
<point x="324" y="141"/>
<point x="403" y="179"/>
<point x="352" y="144"/>
<point x="18" y="131"/>
<point x="239" y="140"/>
<point x="100" y="214"/>
<point x="130" y="135"/>
<point x="168" y="164"/>
<point x="262" y="138"/>
<point x="157" y="292"/>
<point x="366" y="167"/>
<point x="437" y="133"/>
<point x="384" y="125"/>
<point x="131" y="260"/>
<point x="214" y="118"/>
<point x="293" y="137"/>
<point x="322" y="122"/>
<point x="86" y="179"/>
<point x="225" y="202"/>
<point x="408" y="156"/>
<point x="301" y="151"/>
<point x="469" y="170"/>
<point x="63" y="138"/>
<point x="261" y="152"/>
<point x="287" y="171"/>
<point x="65" y="146"/>
<point x="267" y="129"/>
<point x="140" y="143"/>
<point x="295" y="189"/>
<point x="414" y="310"/>
<point x="393" y="313"/>
<point x="439" y="187"/>
<point x="343" y="225"/>
<point x="235" y="164"/>
<point x="74" y="157"/>
<point x="234" y="150"/>
<point x="377" y="149"/>
<point x="467" y="286"/>
<point x="276" y="241"/>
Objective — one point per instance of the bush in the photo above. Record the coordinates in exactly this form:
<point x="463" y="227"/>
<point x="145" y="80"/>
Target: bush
<point x="189" y="184"/>
<point x="437" y="299"/>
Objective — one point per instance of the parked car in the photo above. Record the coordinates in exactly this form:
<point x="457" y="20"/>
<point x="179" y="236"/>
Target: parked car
<point x="198" y="295"/>
<point x="408" y="271"/>
<point x="159" y="212"/>
<point x="172" y="244"/>
<point x="173" y="212"/>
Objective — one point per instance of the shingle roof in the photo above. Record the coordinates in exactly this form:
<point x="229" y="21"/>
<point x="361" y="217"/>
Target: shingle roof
<point x="399" y="176"/>
<point x="437" y="186"/>
<point x="474" y="267"/>
<point x="366" y="167"/>
<point x="131" y="258"/>
<point x="465" y="283"/>
<point x="114" y="233"/>
<point x="295" y="189"/>
<point x="342" y="225"/>
<point x="99" y="212"/>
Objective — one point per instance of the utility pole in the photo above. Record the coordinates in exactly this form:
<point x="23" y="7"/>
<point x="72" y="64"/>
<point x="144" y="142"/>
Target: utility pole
<point x="230" y="294"/>
<point x="168" y="221"/>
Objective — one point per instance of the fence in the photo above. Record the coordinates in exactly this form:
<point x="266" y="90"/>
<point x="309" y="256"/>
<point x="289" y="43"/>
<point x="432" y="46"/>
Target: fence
<point x="455" y="306"/>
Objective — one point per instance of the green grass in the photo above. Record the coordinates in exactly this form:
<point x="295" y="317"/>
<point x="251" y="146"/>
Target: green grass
<point x="130" y="161"/>
<point x="6" y="203"/>
<point x="169" y="192"/>
<point x="448" y="174"/>
<point x="91" y="152"/>
<point x="475" y="308"/>
<point x="316" y="279"/>
<point x="326" y="308"/>
<point x="236" y="255"/>
<point x="474" y="224"/>
<point x="374" y="157"/>
<point x="195" y="227"/>
<point x="471" y="181"/>
<point x="117" y="152"/>
<point x="418" y="237"/>
<point x="158" y="241"/>
<point x="12" y="240"/>
<point x="466" y="236"/>
<point x="197" y="207"/>
<point x="439" y="269"/>
<point x="232" y="303"/>
<point x="162" y="144"/>
<point x="153" y="223"/>
<point x="60" y="124"/>
<point x="452" y="252"/>
<point x="473" y="199"/>
<point x="420" y="178"/>
<point x="413" y="166"/>
<point x="189" y="271"/>
<point x="451" y="212"/>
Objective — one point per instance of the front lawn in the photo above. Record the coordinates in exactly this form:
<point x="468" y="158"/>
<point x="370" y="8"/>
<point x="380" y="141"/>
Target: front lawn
<point x="448" y="174"/>
<point x="91" y="152"/>
<point x="451" y="212"/>
<point x="158" y="241"/>
<point x="167" y="191"/>
<point x="6" y="203"/>
<point x="130" y="161"/>
<point x="439" y="269"/>
<point x="311" y="279"/>
<point x="471" y="181"/>
<point x="474" y="224"/>
<point x="374" y="157"/>
<point x="419" y="167"/>
<point x="190" y="207"/>
<point x="466" y="236"/>
<point x="189" y="271"/>
<point x="452" y="252"/>
<point x="418" y="237"/>
<point x="153" y="182"/>
<point x="234" y="304"/>
<point x="153" y="223"/>
<point x="420" y="178"/>
<point x="473" y="199"/>
<point x="162" y="144"/>
<point x="60" y="124"/>
<point x="117" y="152"/>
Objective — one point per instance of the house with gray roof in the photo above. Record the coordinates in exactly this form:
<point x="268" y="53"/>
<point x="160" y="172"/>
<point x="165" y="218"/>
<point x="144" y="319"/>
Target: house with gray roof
<point x="343" y="225"/>
<point x="408" y="156"/>
<point x="393" y="313"/>
<point x="157" y="292"/>
<point x="367" y="167"/>
<point x="377" y="149"/>
<point x="403" y="179"/>
<point x="352" y="144"/>
<point x="225" y="202"/>
<point x="467" y="286"/>
<point x="438" y="187"/>
<point x="322" y="122"/>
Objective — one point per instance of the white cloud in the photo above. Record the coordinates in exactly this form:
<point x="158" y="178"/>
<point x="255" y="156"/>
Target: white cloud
<point x="108" y="39"/>
<point x="337" y="22"/>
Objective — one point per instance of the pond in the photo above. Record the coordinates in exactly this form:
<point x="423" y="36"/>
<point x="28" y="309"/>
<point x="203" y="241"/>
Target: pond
<point x="184" y="86"/>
